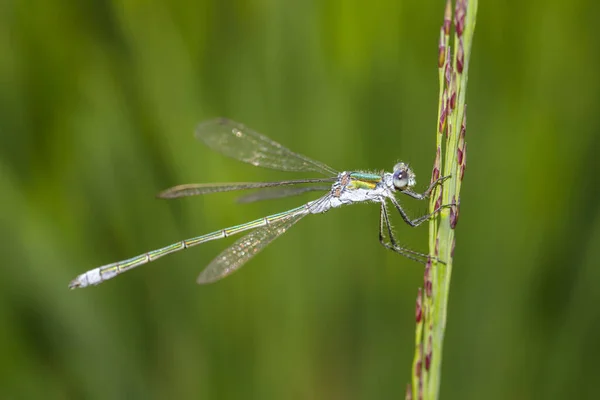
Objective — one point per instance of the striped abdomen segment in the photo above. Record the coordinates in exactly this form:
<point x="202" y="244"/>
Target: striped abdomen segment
<point x="103" y="273"/>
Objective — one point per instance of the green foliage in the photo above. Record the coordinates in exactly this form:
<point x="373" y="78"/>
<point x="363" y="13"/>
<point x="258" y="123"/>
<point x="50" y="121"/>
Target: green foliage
<point x="97" y="108"/>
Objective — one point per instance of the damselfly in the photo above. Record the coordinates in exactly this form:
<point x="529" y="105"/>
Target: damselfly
<point x="237" y="141"/>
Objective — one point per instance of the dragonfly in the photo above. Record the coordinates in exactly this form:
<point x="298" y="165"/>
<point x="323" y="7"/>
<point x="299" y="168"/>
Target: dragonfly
<point x="343" y="188"/>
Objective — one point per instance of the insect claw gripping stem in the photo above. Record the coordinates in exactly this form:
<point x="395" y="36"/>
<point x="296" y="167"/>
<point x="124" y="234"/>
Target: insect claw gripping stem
<point x="417" y="221"/>
<point x="427" y="193"/>
<point x="384" y="222"/>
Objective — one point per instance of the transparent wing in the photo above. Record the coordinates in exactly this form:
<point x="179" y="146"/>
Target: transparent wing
<point x="235" y="140"/>
<point x="279" y="192"/>
<point x="232" y="258"/>
<point x="194" y="189"/>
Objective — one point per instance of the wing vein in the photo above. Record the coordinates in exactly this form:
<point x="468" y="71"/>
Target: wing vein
<point x="244" y="144"/>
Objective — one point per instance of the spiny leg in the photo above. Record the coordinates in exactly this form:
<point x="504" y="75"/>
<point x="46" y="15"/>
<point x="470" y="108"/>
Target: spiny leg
<point x="417" y="221"/>
<point x="393" y="245"/>
<point x="426" y="193"/>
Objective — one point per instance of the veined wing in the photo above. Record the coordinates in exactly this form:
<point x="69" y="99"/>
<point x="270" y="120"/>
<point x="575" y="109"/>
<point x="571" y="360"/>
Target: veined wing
<point x="194" y="189"/>
<point x="237" y="141"/>
<point x="279" y="192"/>
<point x="232" y="258"/>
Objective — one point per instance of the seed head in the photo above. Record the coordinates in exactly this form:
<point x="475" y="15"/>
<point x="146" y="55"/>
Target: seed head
<point x="438" y="202"/>
<point x="459" y="17"/>
<point x="419" y="307"/>
<point x="460" y="57"/>
<point x="464" y="164"/>
<point x="435" y="173"/>
<point x="454" y="213"/>
<point x="463" y="125"/>
<point x="448" y="70"/>
<point x="453" y="91"/>
<point x="427" y="279"/>
<point x="443" y="112"/>
<point x="441" y="49"/>
<point x="459" y="155"/>
<point x="447" y="17"/>
<point x="429" y="353"/>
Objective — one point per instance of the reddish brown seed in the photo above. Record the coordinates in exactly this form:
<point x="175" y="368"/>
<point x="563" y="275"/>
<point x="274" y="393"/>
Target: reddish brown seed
<point x="461" y="147"/>
<point x="460" y="57"/>
<point x="459" y="17"/>
<point x="437" y="246"/>
<point x="448" y="72"/>
<point x="452" y="247"/>
<point x="456" y="13"/>
<point x="427" y="279"/>
<point x="463" y="124"/>
<point x="448" y="54"/>
<point x="443" y="112"/>
<point x="464" y="165"/>
<point x="419" y="308"/>
<point x="453" y="213"/>
<point x="447" y="17"/>
<point x="435" y="174"/>
<point x="460" y="27"/>
<point x="438" y="202"/>
<point x="453" y="91"/>
<point x="418" y="369"/>
<point x="429" y="353"/>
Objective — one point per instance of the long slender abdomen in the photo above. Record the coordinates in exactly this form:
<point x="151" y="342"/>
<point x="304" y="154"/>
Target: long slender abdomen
<point x="109" y="271"/>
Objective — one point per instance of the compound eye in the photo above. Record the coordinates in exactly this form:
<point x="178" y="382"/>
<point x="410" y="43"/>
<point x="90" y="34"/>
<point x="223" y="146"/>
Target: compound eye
<point x="401" y="179"/>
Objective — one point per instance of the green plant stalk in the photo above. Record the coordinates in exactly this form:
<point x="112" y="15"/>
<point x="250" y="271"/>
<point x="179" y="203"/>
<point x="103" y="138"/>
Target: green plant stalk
<point x="432" y="302"/>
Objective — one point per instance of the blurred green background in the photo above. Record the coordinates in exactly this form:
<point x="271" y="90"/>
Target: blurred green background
<point x="98" y="103"/>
